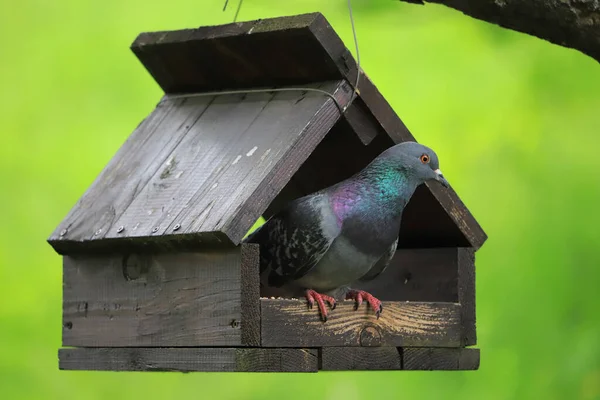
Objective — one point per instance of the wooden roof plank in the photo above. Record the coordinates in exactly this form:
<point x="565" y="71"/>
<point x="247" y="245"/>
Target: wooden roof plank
<point x="202" y="165"/>
<point x="270" y="52"/>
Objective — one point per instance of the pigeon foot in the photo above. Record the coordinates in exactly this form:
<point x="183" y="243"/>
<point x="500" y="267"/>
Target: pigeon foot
<point x="313" y="296"/>
<point x="360" y="295"/>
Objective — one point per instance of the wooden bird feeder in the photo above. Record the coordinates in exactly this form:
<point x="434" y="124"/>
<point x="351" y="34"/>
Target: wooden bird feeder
<point x="155" y="277"/>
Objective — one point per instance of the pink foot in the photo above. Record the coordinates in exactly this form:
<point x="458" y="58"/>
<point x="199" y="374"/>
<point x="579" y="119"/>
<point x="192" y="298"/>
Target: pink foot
<point x="311" y="296"/>
<point x="360" y="295"/>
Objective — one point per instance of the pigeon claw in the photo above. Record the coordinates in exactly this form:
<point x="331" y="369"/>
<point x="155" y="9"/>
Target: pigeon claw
<point x="359" y="295"/>
<point x="312" y="296"/>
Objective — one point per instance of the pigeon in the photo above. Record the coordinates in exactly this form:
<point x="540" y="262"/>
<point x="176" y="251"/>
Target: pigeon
<point x="320" y="244"/>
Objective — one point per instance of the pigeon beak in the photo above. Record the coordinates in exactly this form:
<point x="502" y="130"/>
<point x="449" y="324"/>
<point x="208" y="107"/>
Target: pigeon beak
<point x="440" y="178"/>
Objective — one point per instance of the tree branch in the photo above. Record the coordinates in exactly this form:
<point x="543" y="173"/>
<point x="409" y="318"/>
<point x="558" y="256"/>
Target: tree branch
<point x="568" y="23"/>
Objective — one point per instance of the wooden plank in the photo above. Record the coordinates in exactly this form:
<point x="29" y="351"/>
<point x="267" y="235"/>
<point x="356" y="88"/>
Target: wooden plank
<point x="211" y="183"/>
<point x="362" y="122"/>
<point x="277" y="360"/>
<point x="186" y="299"/>
<point x="466" y="295"/>
<point x="418" y="275"/>
<point x="428" y="359"/>
<point x="189" y="359"/>
<point x="138" y="159"/>
<point x="269" y="52"/>
<point x="289" y="323"/>
<point x="360" y="358"/>
<point x="250" y="307"/>
<point x="300" y="145"/>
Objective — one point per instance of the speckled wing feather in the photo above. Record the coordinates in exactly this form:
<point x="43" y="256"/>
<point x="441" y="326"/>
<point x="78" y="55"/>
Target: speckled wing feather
<point x="293" y="241"/>
<point x="381" y="264"/>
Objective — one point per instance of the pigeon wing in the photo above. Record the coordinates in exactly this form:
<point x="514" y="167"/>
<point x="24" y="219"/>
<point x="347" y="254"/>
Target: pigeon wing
<point x="294" y="240"/>
<point x="381" y="264"/>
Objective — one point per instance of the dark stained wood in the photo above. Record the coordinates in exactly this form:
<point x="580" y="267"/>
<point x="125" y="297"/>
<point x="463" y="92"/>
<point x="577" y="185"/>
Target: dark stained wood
<point x="418" y="275"/>
<point x="466" y="295"/>
<point x="301" y="144"/>
<point x="277" y="360"/>
<point x="138" y="159"/>
<point x="189" y="359"/>
<point x="263" y="53"/>
<point x="225" y="159"/>
<point x="288" y="323"/>
<point x="362" y="123"/>
<point x="186" y="299"/>
<point x="430" y="359"/>
<point x="250" y="307"/>
<point x="360" y="358"/>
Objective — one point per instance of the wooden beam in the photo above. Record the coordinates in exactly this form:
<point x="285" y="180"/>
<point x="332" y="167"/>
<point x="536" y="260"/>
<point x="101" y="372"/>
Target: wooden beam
<point x="360" y="358"/>
<point x="466" y="295"/>
<point x="250" y="293"/>
<point x="185" y="299"/>
<point x="288" y="323"/>
<point x="427" y="359"/>
<point x="189" y="359"/>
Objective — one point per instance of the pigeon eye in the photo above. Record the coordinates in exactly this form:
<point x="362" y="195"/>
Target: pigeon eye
<point x="425" y="159"/>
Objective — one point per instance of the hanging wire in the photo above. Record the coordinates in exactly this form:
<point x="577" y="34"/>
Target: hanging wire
<point x="356" y="49"/>
<point x="237" y="11"/>
<point x="245" y="91"/>
<point x="288" y="89"/>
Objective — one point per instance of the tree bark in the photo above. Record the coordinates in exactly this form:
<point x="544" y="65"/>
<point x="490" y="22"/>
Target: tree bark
<point x="568" y="23"/>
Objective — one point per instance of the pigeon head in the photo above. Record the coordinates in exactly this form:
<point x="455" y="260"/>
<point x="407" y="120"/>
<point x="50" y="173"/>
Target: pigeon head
<point x="420" y="162"/>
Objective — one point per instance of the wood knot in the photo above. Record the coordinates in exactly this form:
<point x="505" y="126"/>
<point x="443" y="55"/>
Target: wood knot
<point x="370" y="336"/>
<point x="135" y="266"/>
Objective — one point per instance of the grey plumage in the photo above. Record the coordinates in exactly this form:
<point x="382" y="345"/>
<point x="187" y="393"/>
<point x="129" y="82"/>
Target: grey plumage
<point x="345" y="233"/>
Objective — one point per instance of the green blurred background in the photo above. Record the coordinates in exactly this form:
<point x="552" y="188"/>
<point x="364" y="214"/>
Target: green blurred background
<point x="516" y="123"/>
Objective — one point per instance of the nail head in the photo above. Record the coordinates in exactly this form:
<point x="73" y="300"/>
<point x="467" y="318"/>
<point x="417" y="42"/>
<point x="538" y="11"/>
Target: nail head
<point x="63" y="232"/>
<point x="120" y="229"/>
<point x="155" y="229"/>
<point x="176" y="227"/>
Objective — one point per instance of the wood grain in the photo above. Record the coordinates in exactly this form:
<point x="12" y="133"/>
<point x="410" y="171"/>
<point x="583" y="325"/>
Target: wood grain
<point x="289" y="323"/>
<point x="269" y="52"/>
<point x="362" y="123"/>
<point x="225" y="159"/>
<point x="360" y="358"/>
<point x="466" y="295"/>
<point x="186" y="299"/>
<point x="250" y="307"/>
<point x="189" y="359"/>
<point x="430" y="359"/>
<point x="128" y="172"/>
